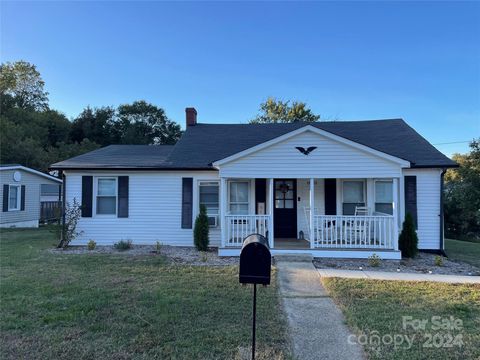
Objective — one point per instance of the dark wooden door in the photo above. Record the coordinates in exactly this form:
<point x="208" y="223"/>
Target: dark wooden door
<point x="285" y="208"/>
<point x="330" y="196"/>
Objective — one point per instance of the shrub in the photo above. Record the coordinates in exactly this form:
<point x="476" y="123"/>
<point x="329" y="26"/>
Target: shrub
<point x="158" y="247"/>
<point x="68" y="230"/>
<point x="200" y="232"/>
<point x="374" y="260"/>
<point x="123" y="245"/>
<point x="408" y="240"/>
<point x="438" y="260"/>
<point x="91" y="245"/>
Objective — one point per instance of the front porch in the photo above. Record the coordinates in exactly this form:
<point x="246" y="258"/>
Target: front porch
<point x="280" y="210"/>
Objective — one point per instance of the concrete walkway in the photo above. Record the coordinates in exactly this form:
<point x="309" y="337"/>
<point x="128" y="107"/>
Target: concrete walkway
<point x="317" y="326"/>
<point x="385" y="275"/>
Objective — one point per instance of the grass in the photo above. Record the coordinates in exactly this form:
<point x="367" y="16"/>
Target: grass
<point x="468" y="252"/>
<point x="125" y="307"/>
<point x="373" y="307"/>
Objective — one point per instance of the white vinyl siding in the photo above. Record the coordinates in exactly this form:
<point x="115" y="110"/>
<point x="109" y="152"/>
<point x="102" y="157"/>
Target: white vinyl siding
<point x="31" y="214"/>
<point x="428" y="206"/>
<point x="331" y="159"/>
<point x="155" y="209"/>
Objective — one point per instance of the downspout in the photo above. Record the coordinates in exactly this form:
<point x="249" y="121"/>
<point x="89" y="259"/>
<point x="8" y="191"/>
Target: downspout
<point x="62" y="235"/>
<point x="442" y="229"/>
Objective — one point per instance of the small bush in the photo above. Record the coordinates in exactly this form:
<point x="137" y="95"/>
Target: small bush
<point x="158" y="247"/>
<point x="91" y="245"/>
<point x="203" y="256"/>
<point x="438" y="260"/>
<point x="68" y="231"/>
<point x="374" y="260"/>
<point x="408" y="240"/>
<point x="123" y="245"/>
<point x="200" y="232"/>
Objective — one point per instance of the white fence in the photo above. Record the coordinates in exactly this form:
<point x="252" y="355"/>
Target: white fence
<point x="368" y="232"/>
<point x="238" y="227"/>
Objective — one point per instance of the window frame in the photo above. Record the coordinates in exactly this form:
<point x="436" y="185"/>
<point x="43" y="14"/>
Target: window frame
<point x="364" y="193"/>
<point x="19" y="197"/>
<point x="375" y="195"/>
<point x="210" y="182"/>
<point x="96" y="196"/>
<point x="230" y="203"/>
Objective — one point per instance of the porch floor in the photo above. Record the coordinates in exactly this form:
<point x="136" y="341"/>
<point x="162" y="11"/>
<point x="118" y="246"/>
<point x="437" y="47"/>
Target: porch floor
<point x="291" y="243"/>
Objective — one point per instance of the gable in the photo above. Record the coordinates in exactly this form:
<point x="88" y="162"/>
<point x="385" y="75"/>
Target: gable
<point x="332" y="158"/>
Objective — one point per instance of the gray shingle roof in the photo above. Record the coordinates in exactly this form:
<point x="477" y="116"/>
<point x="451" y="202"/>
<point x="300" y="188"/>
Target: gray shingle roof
<point x="203" y="144"/>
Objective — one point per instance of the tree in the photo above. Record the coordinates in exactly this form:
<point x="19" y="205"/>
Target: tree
<point x="278" y="111"/>
<point x="94" y="124"/>
<point x="408" y="240"/>
<point x="144" y="123"/>
<point x="201" y="229"/>
<point x="22" y="86"/>
<point x="462" y="195"/>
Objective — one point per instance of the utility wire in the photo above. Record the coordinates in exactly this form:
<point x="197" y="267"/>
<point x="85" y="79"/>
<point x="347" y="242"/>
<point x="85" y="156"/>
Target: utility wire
<point x="454" y="142"/>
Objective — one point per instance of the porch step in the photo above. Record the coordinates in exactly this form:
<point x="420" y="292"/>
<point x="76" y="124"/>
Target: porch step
<point x="293" y="257"/>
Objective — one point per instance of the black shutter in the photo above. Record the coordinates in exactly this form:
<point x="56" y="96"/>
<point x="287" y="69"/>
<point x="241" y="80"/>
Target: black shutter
<point x="411" y="197"/>
<point x="187" y="200"/>
<point x="260" y="193"/>
<point x="122" y="196"/>
<point x="5" y="198"/>
<point x="87" y="196"/>
<point x="22" y="203"/>
<point x="330" y="196"/>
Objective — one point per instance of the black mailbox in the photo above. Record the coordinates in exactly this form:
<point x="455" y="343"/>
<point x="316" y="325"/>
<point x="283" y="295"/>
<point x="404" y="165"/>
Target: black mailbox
<point x="255" y="260"/>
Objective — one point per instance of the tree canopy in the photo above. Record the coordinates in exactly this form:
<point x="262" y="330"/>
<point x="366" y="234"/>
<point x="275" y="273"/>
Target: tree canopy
<point x="34" y="135"/>
<point x="462" y="195"/>
<point x="278" y="111"/>
<point x="22" y="86"/>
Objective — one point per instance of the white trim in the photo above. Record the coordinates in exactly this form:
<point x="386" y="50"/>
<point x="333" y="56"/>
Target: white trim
<point x="339" y="254"/>
<point x="315" y="130"/>
<point x="19" y="197"/>
<point x="31" y="171"/>
<point x="95" y="196"/>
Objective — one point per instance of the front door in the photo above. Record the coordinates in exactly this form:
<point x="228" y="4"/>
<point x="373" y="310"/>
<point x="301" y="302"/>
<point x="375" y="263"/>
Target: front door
<point x="285" y="209"/>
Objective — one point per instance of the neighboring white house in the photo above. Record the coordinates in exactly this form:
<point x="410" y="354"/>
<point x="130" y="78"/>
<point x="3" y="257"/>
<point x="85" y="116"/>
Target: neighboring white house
<point x="336" y="189"/>
<point x="20" y="193"/>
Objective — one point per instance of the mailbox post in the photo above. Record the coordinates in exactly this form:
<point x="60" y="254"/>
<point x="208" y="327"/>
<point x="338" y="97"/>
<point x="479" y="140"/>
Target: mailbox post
<point x="255" y="268"/>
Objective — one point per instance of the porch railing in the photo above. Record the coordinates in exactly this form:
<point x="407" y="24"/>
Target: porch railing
<point x="332" y="231"/>
<point x="238" y="227"/>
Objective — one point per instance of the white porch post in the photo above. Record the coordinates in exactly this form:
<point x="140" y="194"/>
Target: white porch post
<point x="312" y="211"/>
<point x="223" y="202"/>
<point x="395" y="213"/>
<point x="270" y="206"/>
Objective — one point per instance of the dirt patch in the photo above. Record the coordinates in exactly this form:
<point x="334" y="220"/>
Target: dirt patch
<point x="175" y="254"/>
<point x="422" y="263"/>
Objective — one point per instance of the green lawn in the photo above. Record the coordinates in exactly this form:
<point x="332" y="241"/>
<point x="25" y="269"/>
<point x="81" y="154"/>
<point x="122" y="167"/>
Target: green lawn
<point x="373" y="307"/>
<point x="466" y="251"/>
<point x="125" y="307"/>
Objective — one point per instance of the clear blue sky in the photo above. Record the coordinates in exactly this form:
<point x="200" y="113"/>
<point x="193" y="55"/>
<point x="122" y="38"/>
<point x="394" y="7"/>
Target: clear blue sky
<point x="348" y="61"/>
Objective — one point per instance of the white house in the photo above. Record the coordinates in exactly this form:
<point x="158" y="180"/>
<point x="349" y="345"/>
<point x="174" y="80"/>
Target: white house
<point x="20" y="192"/>
<point x="336" y="189"/>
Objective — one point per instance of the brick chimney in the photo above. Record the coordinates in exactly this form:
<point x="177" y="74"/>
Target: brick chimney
<point x="191" y="115"/>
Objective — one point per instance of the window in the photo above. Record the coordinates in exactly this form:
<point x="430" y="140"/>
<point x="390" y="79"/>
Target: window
<point x="14" y="197"/>
<point x="284" y="191"/>
<point x="238" y="197"/>
<point x="208" y="196"/>
<point x="353" y="196"/>
<point x="106" y="196"/>
<point x="384" y="196"/>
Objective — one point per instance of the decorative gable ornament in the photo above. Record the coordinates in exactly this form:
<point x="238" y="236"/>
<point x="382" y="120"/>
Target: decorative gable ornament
<point x="305" y="151"/>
